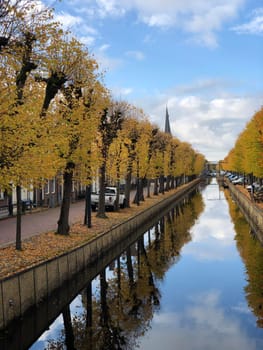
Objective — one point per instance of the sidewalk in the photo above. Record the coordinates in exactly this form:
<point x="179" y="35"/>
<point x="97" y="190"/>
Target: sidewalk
<point x="38" y="222"/>
<point x="34" y="223"/>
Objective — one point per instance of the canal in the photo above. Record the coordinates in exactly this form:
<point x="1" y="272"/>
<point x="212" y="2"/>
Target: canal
<point x="192" y="281"/>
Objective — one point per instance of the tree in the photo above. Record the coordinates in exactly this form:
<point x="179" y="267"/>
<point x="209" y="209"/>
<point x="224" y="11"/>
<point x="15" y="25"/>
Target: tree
<point x="117" y="163"/>
<point x="94" y="97"/>
<point x="76" y="122"/>
<point x="22" y="30"/>
<point x="131" y="128"/>
<point x="141" y="165"/>
<point x="18" y="16"/>
<point x="247" y="153"/>
<point x="110" y="123"/>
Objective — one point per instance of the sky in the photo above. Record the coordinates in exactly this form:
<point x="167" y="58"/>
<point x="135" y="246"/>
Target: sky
<point x="203" y="59"/>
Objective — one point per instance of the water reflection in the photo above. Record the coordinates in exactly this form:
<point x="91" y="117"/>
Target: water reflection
<point x="181" y="285"/>
<point x="214" y="231"/>
<point x="118" y="307"/>
<point x="204" y="305"/>
<point x="251" y="251"/>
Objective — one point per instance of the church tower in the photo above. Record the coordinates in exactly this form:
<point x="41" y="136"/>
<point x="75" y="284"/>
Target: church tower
<point x="167" y="128"/>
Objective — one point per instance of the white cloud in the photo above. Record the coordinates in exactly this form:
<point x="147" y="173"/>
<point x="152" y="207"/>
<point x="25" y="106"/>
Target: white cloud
<point x="158" y="20"/>
<point x="68" y="20"/>
<point x="87" y="35"/>
<point x="104" y="47"/>
<point x="87" y="40"/>
<point x="107" y="63"/>
<point x="110" y="8"/>
<point x="254" y="26"/>
<point x="203" y="320"/>
<point x="137" y="55"/>
<point x="201" y="19"/>
<point x="211" y="124"/>
<point x="119" y="93"/>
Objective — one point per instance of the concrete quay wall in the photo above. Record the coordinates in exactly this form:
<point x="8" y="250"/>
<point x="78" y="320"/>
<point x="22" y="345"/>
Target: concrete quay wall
<point x="24" y="290"/>
<point x="251" y="212"/>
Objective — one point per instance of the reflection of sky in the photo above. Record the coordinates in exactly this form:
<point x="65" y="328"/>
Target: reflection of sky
<point x="203" y="304"/>
<point x="76" y="308"/>
<point x="51" y="333"/>
<point x="202" y="324"/>
<point x="57" y="326"/>
<point x="213" y="233"/>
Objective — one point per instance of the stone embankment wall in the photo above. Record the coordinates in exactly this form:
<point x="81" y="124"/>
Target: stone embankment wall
<point x="252" y="213"/>
<point x="29" y="288"/>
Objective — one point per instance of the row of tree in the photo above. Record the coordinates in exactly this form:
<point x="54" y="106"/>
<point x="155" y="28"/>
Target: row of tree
<point x="57" y="116"/>
<point x="247" y="154"/>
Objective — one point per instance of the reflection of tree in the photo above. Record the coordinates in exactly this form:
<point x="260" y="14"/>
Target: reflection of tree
<point x="250" y="250"/>
<point x="146" y="277"/>
<point x="121" y="310"/>
<point x="68" y="333"/>
<point x="109" y="333"/>
<point x="69" y="336"/>
<point x="174" y="234"/>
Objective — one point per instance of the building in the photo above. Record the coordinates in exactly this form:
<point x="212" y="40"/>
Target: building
<point x="167" y="128"/>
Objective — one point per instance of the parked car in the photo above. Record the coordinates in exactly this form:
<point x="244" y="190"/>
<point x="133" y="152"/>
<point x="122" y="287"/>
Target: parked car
<point x="238" y="181"/>
<point x="258" y="194"/>
<point x="233" y="177"/>
<point x="255" y="185"/>
<point x="26" y="205"/>
<point x="110" y="199"/>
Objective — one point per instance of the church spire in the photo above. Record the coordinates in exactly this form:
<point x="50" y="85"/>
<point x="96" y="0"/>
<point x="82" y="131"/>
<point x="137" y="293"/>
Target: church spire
<point x="167" y="128"/>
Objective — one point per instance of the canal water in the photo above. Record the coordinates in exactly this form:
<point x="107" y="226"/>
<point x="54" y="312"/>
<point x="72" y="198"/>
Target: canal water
<point x="193" y="281"/>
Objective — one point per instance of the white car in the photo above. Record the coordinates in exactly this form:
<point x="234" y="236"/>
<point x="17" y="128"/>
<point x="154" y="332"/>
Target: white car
<point x="238" y="181"/>
<point x="255" y="185"/>
<point x="110" y="199"/>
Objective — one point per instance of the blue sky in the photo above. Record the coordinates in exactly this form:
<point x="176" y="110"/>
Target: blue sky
<point x="201" y="58"/>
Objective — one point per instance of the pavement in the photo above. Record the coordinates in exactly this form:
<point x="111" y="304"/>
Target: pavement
<point x="40" y="221"/>
<point x="36" y="222"/>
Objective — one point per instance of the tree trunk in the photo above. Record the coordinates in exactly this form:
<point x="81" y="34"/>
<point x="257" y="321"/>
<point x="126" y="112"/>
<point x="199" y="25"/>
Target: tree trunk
<point x="104" y="317"/>
<point x="127" y="189"/>
<point x="136" y="199"/>
<point x="21" y="77"/>
<point x="141" y="188"/>
<point x="137" y="195"/>
<point x="10" y="204"/>
<point x="87" y="218"/>
<point x="148" y="188"/>
<point x="173" y="183"/>
<point x="101" y="206"/>
<point x="18" y="218"/>
<point x="54" y="83"/>
<point x="117" y="201"/>
<point x="161" y="189"/>
<point x="63" y="222"/>
<point x="155" y="189"/>
<point x="89" y="305"/>
<point x="89" y="344"/>
<point x="168" y="183"/>
<point x="69" y="335"/>
<point x="129" y="267"/>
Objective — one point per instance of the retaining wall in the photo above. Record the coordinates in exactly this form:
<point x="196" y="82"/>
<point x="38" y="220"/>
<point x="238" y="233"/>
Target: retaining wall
<point x="30" y="287"/>
<point x="251" y="212"/>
